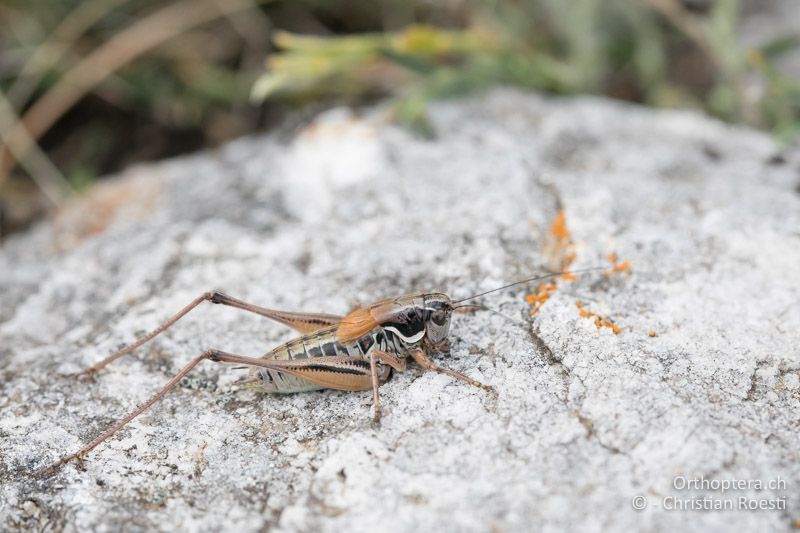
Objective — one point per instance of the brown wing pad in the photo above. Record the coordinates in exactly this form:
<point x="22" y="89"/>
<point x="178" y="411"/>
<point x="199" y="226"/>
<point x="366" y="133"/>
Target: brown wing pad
<point x="355" y="325"/>
<point x="364" y="319"/>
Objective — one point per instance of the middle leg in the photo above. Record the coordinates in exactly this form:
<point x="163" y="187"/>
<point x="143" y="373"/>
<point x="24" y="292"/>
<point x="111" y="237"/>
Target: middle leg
<point x="389" y="359"/>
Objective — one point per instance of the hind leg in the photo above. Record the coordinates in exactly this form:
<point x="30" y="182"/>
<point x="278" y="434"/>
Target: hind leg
<point x="302" y="322"/>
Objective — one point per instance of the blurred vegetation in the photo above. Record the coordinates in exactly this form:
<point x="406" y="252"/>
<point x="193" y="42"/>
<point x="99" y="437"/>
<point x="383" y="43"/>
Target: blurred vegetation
<point x="90" y="86"/>
<point x="664" y="53"/>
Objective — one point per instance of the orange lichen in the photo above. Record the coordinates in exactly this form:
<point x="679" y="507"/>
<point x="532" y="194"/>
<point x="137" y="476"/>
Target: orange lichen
<point x="559" y="249"/>
<point x="559" y="252"/>
<point x="617" y="265"/>
<point x="558" y="228"/>
<point x="599" y="320"/>
<point x="624" y="266"/>
<point x="537" y="299"/>
<point x="569" y="276"/>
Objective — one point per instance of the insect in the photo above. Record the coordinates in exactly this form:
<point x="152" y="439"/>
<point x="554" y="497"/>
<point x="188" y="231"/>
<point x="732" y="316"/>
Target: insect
<point x="356" y="352"/>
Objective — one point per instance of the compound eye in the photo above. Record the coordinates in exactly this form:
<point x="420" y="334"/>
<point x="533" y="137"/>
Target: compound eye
<point x="439" y="317"/>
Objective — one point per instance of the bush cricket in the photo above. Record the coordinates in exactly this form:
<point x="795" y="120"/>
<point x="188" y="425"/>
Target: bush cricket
<point x="356" y="352"/>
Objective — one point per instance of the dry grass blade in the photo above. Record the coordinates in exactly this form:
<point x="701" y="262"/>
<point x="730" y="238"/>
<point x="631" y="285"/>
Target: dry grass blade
<point x="252" y="27"/>
<point x="35" y="162"/>
<point x="58" y="43"/>
<point x="121" y="49"/>
<point x="698" y="34"/>
<point x="685" y="22"/>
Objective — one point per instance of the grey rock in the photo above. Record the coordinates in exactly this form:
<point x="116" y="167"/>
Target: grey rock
<point x="350" y="209"/>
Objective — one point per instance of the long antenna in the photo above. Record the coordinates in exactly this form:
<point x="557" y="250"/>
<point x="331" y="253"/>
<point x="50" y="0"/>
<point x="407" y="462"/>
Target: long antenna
<point x="535" y="278"/>
<point x="493" y="311"/>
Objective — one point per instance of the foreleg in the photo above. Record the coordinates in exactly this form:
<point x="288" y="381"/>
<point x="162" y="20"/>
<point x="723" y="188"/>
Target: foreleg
<point x="422" y="360"/>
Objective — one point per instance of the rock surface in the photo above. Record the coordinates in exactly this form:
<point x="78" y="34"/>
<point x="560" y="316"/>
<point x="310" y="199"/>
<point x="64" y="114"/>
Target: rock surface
<point x="349" y="209"/>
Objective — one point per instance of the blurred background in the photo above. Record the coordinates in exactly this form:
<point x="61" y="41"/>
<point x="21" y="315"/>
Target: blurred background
<point x="89" y="87"/>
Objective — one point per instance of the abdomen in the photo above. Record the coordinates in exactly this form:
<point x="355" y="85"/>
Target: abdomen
<point x="319" y="344"/>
